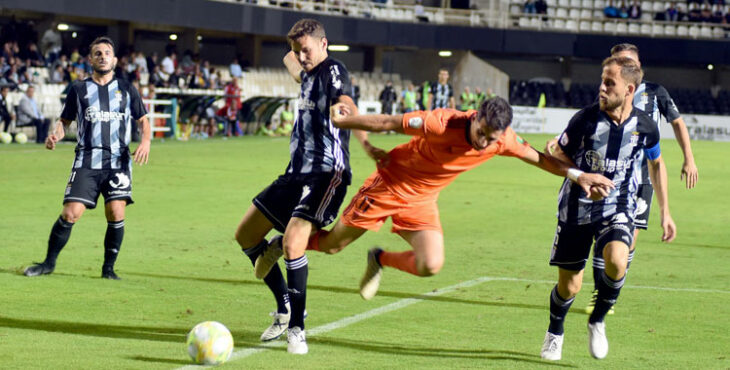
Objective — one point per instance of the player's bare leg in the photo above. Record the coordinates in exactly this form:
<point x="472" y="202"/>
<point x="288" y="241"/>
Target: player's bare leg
<point x="250" y="235"/>
<point x="335" y="240"/>
<point x="61" y="231"/>
<point x="114" y="211"/>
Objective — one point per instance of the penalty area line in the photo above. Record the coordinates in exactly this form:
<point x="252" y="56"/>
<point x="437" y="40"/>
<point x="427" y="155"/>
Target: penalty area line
<point x="347" y="321"/>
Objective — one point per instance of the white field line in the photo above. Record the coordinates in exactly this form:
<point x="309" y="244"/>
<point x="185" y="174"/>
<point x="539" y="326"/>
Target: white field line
<point x="405" y="302"/>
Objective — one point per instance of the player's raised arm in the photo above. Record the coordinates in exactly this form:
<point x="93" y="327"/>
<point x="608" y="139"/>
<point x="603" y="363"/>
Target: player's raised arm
<point x="59" y="131"/>
<point x="293" y="66"/>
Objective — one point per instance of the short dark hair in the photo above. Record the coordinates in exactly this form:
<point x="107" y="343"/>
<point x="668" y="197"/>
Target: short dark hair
<point x="625" y="47"/>
<point x="306" y="27"/>
<point x="101" y="40"/>
<point x="497" y="112"/>
<point x="630" y="70"/>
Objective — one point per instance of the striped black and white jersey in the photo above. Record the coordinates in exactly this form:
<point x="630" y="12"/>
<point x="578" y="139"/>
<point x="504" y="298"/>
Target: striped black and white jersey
<point x="317" y="145"/>
<point x="104" y="117"/>
<point x="654" y="99"/>
<point x="597" y="145"/>
<point x="441" y="95"/>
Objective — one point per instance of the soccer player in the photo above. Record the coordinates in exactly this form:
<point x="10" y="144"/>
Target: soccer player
<point x="653" y="99"/>
<point x="445" y="143"/>
<point x="612" y="138"/>
<point x="103" y="108"/>
<point x="441" y="94"/>
<point x="309" y="194"/>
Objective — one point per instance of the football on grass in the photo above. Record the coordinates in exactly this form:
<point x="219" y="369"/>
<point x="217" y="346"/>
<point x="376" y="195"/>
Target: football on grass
<point x="210" y="343"/>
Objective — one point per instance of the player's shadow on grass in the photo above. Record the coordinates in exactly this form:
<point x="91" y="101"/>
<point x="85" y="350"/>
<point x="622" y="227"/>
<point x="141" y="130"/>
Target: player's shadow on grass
<point x="381" y="293"/>
<point x="402" y="350"/>
<point x="159" y="334"/>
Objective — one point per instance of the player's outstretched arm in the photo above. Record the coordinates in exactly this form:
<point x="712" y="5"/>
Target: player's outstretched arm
<point x="658" y="174"/>
<point x="593" y="184"/>
<point x="142" y="154"/>
<point x="59" y="131"/>
<point x="292" y="65"/>
<point x="342" y="117"/>
<point x="689" y="169"/>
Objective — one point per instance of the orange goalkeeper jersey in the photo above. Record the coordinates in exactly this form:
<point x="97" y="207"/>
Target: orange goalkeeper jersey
<point x="439" y="152"/>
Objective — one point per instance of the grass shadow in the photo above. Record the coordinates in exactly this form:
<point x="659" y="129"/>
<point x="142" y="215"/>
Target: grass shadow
<point x="162" y="360"/>
<point x="402" y="350"/>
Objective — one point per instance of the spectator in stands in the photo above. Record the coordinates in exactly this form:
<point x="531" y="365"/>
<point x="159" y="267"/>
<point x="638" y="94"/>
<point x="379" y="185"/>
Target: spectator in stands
<point x="409" y="99"/>
<point x="5" y="115"/>
<point x="197" y="80"/>
<point x="529" y="7"/>
<point x="29" y="114"/>
<point x="726" y="20"/>
<point x="695" y="14"/>
<point x="706" y="13"/>
<point x="235" y="69"/>
<point x="205" y="68"/>
<point x="75" y="55"/>
<point x="157" y="77"/>
<point x="387" y="98"/>
<point x="12" y="76"/>
<point x="420" y="12"/>
<point x="610" y="11"/>
<point x="58" y="75"/>
<point x="635" y="10"/>
<point x="187" y="64"/>
<point x="51" y="43"/>
<point x="152" y="61"/>
<point x="140" y="62"/>
<point x="541" y="7"/>
<point x="168" y="64"/>
<point x="355" y="90"/>
<point x="717" y="15"/>
<point x="35" y="57"/>
<point x="672" y="13"/>
<point x="623" y="11"/>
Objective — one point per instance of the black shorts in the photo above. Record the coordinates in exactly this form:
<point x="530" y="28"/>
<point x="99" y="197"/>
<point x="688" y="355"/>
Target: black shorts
<point x="643" y="206"/>
<point x="314" y="197"/>
<point x="572" y="243"/>
<point x="85" y="185"/>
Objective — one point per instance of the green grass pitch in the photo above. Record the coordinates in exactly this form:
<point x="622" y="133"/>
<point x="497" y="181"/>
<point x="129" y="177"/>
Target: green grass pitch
<point x="180" y="266"/>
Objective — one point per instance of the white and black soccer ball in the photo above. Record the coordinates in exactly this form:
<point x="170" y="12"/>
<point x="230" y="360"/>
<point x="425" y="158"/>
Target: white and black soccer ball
<point x="210" y="343"/>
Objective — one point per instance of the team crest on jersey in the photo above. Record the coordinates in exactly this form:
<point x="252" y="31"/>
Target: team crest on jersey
<point x="118" y="94"/>
<point x="644" y="98"/>
<point x="415" y="122"/>
<point x="634" y="138"/>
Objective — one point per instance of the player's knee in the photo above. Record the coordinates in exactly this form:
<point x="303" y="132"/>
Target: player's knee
<point x="430" y="267"/>
<point x="569" y="288"/>
<point x="69" y="216"/>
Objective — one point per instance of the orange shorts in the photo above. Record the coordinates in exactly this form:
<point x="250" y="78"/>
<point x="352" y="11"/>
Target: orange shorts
<point x="374" y="203"/>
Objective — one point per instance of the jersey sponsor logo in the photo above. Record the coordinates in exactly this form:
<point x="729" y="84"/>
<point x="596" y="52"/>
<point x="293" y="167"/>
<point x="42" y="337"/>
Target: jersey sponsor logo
<point x="93" y="114"/>
<point x="563" y="139"/>
<point x="415" y="122"/>
<point x="600" y="164"/>
<point x="122" y="181"/>
<point x="306" y="104"/>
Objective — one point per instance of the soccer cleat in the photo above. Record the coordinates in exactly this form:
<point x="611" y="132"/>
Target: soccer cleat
<point x="592" y="304"/>
<point x="267" y="259"/>
<point x="38" y="269"/>
<point x="371" y="279"/>
<point x="597" y="341"/>
<point x="109" y="274"/>
<point x="278" y="327"/>
<point x="297" y="341"/>
<point x="552" y="347"/>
